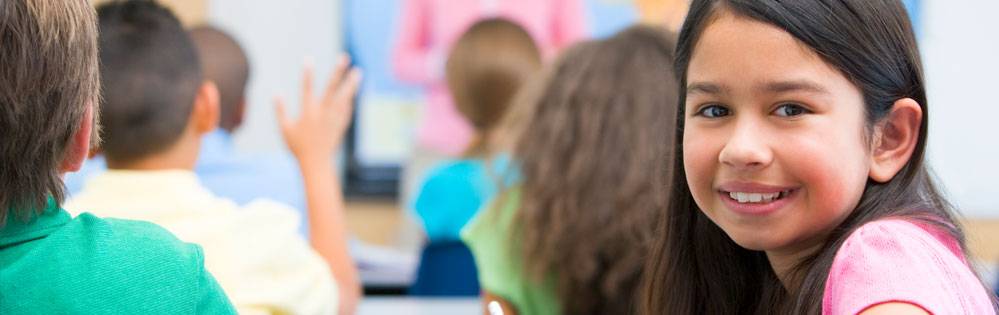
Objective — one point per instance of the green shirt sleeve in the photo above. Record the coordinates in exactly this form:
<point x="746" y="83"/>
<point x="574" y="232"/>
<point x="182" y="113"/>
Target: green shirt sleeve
<point x="492" y="240"/>
<point x="212" y="299"/>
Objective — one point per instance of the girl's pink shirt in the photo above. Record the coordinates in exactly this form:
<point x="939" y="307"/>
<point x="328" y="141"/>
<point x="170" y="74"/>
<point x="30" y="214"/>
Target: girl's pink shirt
<point x="896" y="260"/>
<point x="430" y="27"/>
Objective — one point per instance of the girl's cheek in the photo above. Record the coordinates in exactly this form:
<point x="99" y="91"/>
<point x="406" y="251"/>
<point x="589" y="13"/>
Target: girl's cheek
<point x="697" y="161"/>
<point x="835" y="173"/>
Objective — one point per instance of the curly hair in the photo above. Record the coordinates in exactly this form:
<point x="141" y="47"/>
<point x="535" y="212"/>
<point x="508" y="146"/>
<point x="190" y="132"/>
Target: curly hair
<point x="590" y="157"/>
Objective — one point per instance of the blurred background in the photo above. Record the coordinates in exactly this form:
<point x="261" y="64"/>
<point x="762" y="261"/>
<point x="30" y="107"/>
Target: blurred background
<point x="383" y="153"/>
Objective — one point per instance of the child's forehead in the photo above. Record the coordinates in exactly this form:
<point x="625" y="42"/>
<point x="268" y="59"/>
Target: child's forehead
<point x="735" y="51"/>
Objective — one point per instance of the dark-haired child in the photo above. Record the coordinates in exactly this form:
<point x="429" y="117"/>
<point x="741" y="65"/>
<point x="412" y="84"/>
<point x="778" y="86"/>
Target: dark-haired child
<point x="801" y="186"/>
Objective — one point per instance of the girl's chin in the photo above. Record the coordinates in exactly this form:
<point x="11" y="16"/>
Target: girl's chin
<point x="757" y="244"/>
<point x="755" y="237"/>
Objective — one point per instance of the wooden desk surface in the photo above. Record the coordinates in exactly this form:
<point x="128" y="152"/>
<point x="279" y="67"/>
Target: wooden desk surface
<point x="374" y="221"/>
<point x="983" y="239"/>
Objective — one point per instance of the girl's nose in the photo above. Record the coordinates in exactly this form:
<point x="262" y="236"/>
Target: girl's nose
<point x="747" y="149"/>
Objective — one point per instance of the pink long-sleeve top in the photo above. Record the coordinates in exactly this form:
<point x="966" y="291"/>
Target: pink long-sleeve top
<point x="430" y="27"/>
<point x="896" y="260"/>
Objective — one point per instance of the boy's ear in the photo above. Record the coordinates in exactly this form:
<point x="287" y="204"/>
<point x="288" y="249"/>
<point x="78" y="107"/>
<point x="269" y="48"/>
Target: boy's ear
<point x="205" y="114"/>
<point x="895" y="139"/>
<point x="78" y="148"/>
<point x="240" y="112"/>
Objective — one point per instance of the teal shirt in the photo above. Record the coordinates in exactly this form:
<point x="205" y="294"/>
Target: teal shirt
<point x="454" y="191"/>
<point x="55" y="264"/>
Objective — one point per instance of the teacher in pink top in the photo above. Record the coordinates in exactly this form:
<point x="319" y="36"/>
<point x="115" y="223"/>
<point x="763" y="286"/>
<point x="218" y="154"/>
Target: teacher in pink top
<point x="430" y="27"/>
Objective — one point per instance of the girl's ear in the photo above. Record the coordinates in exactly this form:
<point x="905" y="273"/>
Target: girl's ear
<point x="895" y="139"/>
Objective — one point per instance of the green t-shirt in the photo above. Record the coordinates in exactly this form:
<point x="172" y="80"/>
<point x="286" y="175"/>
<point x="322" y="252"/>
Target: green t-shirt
<point x="492" y="239"/>
<point x="55" y="264"/>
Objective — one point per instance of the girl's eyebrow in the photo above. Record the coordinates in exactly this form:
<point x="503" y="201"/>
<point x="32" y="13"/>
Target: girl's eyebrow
<point x="774" y="87"/>
<point x="706" y="88"/>
<point x="779" y="87"/>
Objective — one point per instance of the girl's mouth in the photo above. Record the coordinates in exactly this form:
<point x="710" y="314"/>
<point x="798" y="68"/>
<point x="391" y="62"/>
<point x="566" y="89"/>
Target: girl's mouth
<point x="748" y="197"/>
<point x="758" y="201"/>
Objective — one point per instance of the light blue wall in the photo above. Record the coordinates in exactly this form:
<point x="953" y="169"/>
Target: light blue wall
<point x="961" y="58"/>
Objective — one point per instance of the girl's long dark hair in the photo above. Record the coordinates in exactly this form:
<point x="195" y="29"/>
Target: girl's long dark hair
<point x="694" y="268"/>
<point x="589" y="200"/>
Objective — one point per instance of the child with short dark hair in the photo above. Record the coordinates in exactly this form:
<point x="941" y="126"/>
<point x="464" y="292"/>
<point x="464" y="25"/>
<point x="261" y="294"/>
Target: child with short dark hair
<point x="157" y="108"/>
<point x="229" y="173"/>
<point x="51" y="263"/>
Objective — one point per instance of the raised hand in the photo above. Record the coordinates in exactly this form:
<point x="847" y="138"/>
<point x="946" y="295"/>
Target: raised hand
<point x="313" y="138"/>
<point x="322" y="123"/>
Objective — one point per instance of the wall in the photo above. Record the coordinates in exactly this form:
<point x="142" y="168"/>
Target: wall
<point x="278" y="36"/>
<point x="961" y="55"/>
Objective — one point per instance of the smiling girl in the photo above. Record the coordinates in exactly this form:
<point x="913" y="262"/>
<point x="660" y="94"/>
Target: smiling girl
<point x="801" y="186"/>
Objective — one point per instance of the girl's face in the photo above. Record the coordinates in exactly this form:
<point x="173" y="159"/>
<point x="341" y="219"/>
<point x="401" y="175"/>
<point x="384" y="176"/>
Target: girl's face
<point x="774" y="144"/>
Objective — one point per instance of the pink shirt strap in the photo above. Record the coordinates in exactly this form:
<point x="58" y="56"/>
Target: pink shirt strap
<point x="895" y="260"/>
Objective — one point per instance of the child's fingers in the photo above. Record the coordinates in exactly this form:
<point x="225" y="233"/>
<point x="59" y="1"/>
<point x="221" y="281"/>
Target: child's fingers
<point x="307" y="82"/>
<point x="345" y="93"/>
<point x="336" y="78"/>
<point x="282" y="117"/>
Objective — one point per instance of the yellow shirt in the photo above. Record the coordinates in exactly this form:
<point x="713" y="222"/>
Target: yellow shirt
<point x="255" y="252"/>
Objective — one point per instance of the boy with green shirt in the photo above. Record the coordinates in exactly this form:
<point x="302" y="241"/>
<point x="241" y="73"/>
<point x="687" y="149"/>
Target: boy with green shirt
<point x="51" y="263"/>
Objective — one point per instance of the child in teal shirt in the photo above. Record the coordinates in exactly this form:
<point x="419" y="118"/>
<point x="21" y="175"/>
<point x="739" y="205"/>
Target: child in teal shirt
<point x="454" y="190"/>
<point x="482" y="88"/>
<point x="51" y="263"/>
<point x="55" y="264"/>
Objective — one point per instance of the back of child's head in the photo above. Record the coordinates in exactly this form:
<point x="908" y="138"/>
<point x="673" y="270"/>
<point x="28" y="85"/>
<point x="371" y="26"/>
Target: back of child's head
<point x="589" y="157"/>
<point x="151" y="73"/>
<point x="48" y="78"/>
<point x="486" y="67"/>
<point x="872" y="44"/>
<point x="224" y="62"/>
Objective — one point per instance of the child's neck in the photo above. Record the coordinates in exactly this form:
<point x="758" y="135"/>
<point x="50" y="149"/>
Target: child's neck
<point x="477" y="148"/>
<point x="182" y="155"/>
<point x="785" y="261"/>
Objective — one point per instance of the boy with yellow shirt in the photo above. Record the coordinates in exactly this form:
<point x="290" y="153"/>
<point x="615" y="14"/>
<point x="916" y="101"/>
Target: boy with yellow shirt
<point x="51" y="263"/>
<point x="156" y="110"/>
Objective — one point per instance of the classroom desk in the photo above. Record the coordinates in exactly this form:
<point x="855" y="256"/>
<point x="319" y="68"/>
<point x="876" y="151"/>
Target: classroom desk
<point x="374" y="221"/>
<point x="419" y="306"/>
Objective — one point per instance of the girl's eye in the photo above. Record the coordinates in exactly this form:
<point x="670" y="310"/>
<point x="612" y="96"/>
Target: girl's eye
<point x="713" y="111"/>
<point x="790" y="110"/>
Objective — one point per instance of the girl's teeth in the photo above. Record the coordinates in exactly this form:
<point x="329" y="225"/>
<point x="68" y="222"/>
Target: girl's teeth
<point x="742" y="197"/>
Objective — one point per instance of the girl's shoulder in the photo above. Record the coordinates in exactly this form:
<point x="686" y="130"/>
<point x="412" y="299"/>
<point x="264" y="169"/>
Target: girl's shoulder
<point x="904" y="261"/>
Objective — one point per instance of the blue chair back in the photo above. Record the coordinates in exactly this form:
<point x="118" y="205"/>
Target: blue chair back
<point x="446" y="269"/>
